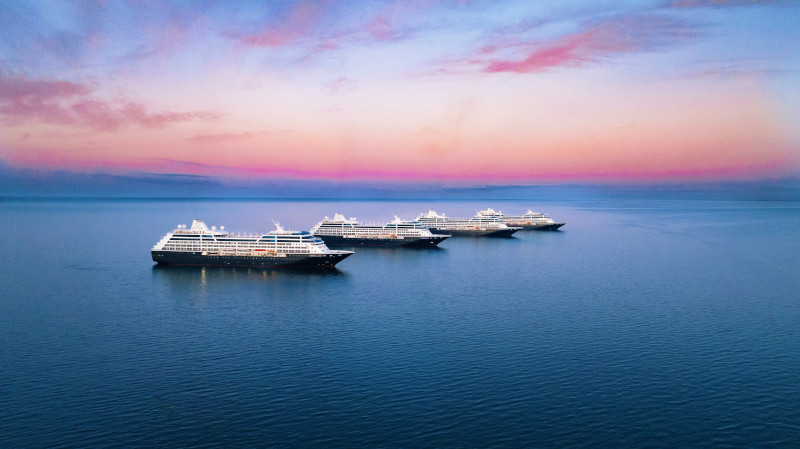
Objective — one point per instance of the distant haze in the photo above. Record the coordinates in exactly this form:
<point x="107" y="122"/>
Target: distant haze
<point x="30" y="183"/>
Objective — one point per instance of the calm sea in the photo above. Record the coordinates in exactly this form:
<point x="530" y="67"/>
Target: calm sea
<point x="663" y="323"/>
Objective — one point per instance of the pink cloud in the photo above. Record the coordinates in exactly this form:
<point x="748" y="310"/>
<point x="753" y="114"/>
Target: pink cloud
<point x="226" y="137"/>
<point x="301" y="20"/>
<point x="388" y="24"/>
<point x="341" y="85"/>
<point x="380" y="29"/>
<point x="707" y="3"/>
<point x="66" y="103"/>
<point x="572" y="50"/>
<point x="328" y="44"/>
<point x="297" y="28"/>
<point x="37" y="99"/>
<point x="137" y="113"/>
<point x="616" y="36"/>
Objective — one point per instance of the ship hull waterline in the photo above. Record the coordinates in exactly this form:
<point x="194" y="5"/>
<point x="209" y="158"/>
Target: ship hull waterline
<point x="416" y="242"/>
<point x="539" y="227"/>
<point x="216" y="260"/>
<point x="506" y="232"/>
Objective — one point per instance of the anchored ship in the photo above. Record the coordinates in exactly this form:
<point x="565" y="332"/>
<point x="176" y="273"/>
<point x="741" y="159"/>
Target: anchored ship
<point x="530" y="221"/>
<point x="280" y="248"/>
<point x="340" y="231"/>
<point x="481" y="225"/>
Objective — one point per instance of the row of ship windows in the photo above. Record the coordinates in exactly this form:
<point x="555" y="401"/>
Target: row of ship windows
<point x="181" y="247"/>
<point x="379" y="228"/>
<point x="278" y="251"/>
<point x="172" y="246"/>
<point x="281" y="251"/>
<point x="271" y="240"/>
<point x="461" y="221"/>
<point x="469" y="225"/>
<point x="207" y="239"/>
<point x="243" y="245"/>
<point x="332" y="231"/>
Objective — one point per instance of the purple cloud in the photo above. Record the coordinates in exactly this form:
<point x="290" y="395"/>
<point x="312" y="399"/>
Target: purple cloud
<point x="226" y="137"/>
<point x="59" y="102"/>
<point x="298" y="24"/>
<point x="715" y="3"/>
<point x="318" y="27"/>
<point x="596" y="42"/>
<point x="341" y="85"/>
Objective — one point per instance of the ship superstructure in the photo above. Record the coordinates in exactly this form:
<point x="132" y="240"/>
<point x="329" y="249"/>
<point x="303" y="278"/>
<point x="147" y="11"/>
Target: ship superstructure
<point x="341" y="231"/>
<point x="483" y="224"/>
<point x="530" y="220"/>
<point x="199" y="245"/>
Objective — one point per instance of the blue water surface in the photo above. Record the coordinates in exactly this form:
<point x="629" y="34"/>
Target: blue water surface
<point x="643" y="323"/>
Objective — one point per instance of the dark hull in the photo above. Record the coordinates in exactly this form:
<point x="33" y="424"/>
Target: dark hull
<point x="290" y="261"/>
<point x="541" y="227"/>
<point x="507" y="232"/>
<point x="339" y="241"/>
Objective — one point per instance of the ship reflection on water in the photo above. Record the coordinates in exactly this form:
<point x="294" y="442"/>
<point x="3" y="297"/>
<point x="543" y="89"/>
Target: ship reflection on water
<point x="183" y="274"/>
<point x="244" y="286"/>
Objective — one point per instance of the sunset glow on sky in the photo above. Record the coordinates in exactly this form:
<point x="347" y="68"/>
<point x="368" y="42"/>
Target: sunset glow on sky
<point x="495" y="92"/>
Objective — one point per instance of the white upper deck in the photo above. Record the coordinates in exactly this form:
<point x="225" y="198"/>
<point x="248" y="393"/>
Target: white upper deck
<point x="341" y="226"/>
<point x="199" y="237"/>
<point x="199" y="227"/>
<point x="431" y="214"/>
<point x="529" y="217"/>
<point x="486" y="219"/>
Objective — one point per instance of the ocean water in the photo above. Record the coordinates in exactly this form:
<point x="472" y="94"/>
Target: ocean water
<point x="644" y="323"/>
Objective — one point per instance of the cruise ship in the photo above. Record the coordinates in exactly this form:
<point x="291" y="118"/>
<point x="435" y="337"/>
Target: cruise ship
<point x="530" y="221"/>
<point x="481" y="225"/>
<point x="340" y="231"/>
<point x="280" y="248"/>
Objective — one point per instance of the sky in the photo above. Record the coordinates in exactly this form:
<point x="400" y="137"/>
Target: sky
<point x="511" y="92"/>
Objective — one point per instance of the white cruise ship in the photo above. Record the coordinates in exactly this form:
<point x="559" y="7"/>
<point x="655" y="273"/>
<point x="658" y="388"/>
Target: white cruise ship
<point x="343" y="232"/>
<point x="530" y="221"/>
<point x="481" y="225"/>
<point x="200" y="245"/>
